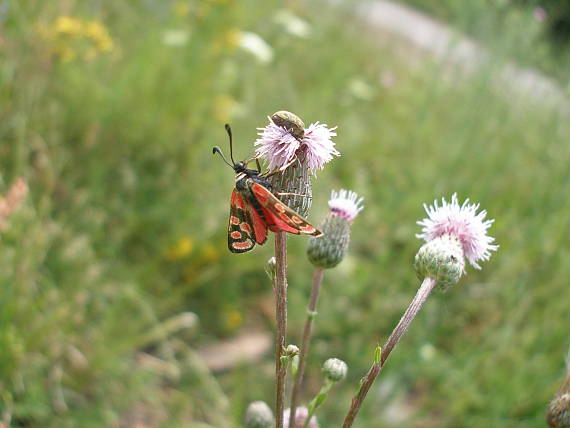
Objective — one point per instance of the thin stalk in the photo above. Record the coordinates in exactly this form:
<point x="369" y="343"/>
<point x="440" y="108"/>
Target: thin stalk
<point x="281" y="317"/>
<point x="307" y="331"/>
<point x="421" y="296"/>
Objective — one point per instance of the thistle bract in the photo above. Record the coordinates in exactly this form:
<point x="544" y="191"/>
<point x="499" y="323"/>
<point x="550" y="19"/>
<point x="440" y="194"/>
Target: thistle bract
<point x="558" y="415"/>
<point x="441" y="259"/>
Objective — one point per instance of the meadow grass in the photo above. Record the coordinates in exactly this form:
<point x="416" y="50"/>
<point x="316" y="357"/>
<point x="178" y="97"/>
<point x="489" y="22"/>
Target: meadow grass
<point x="125" y="224"/>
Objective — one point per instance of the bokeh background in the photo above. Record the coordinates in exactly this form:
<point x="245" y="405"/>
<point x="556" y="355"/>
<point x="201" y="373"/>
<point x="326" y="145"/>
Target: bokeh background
<point x="114" y="271"/>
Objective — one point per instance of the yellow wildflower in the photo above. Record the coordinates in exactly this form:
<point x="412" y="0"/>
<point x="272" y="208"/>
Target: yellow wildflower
<point x="71" y="37"/>
<point x="68" y="25"/>
<point x="181" y="9"/>
<point x="210" y="254"/>
<point x="233" y="319"/>
<point x="182" y="248"/>
<point x="232" y="38"/>
<point x="98" y="33"/>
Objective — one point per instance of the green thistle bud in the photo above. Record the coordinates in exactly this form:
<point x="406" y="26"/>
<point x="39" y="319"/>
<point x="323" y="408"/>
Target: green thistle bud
<point x="558" y="415"/>
<point x="441" y="259"/>
<point x="291" y="350"/>
<point x="270" y="268"/>
<point x="334" y="369"/>
<point x="258" y="415"/>
<point x="328" y="251"/>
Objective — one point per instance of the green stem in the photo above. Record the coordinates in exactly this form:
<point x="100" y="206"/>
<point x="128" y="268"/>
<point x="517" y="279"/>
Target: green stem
<point x="420" y="298"/>
<point x="280" y="286"/>
<point x="317" y="401"/>
<point x="307" y="330"/>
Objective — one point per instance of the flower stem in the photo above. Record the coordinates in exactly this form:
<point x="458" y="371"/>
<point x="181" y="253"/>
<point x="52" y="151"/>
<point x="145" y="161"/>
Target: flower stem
<point x="307" y="330"/>
<point x="421" y="296"/>
<point x="317" y="401"/>
<point x="280" y="286"/>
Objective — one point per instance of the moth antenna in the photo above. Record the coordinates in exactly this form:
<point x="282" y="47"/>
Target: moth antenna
<point x="217" y="150"/>
<point x="229" y="131"/>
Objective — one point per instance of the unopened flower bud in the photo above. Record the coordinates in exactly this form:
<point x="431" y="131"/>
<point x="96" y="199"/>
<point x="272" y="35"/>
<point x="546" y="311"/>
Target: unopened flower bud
<point x="328" y="251"/>
<point x="441" y="259"/>
<point x="335" y="369"/>
<point x="258" y="415"/>
<point x="558" y="414"/>
<point x="291" y="350"/>
<point x="270" y="268"/>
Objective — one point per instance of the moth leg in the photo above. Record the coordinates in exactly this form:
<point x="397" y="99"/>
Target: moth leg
<point x="245" y="162"/>
<point x="258" y="165"/>
<point x="283" y="168"/>
<point x="291" y="194"/>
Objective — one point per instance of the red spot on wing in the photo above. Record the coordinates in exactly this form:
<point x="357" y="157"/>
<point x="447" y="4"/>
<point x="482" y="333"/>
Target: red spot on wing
<point x="245" y="227"/>
<point x="234" y="220"/>
<point x="308" y="229"/>
<point x="280" y="208"/>
<point x="243" y="245"/>
<point x="235" y="235"/>
<point x="297" y="220"/>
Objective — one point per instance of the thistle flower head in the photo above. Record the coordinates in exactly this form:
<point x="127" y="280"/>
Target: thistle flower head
<point x="558" y="413"/>
<point x="279" y="144"/>
<point x="301" y="414"/>
<point x="346" y="204"/>
<point x="328" y="251"/>
<point x="461" y="222"/>
<point x="258" y="415"/>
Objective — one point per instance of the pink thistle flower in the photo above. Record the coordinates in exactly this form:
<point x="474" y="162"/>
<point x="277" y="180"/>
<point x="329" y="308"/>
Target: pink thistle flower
<point x="345" y="203"/>
<point x="278" y="146"/>
<point x="539" y="14"/>
<point x="463" y="223"/>
<point x="301" y="414"/>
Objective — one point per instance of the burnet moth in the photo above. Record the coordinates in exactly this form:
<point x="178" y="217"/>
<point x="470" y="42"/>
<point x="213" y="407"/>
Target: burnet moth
<point x="254" y="209"/>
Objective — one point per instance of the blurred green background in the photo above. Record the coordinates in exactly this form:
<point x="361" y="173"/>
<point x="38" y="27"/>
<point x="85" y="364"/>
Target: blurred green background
<point x="109" y="110"/>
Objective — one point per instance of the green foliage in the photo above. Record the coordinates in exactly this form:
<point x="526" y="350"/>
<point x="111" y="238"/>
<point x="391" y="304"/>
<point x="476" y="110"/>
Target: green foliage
<point x="124" y="226"/>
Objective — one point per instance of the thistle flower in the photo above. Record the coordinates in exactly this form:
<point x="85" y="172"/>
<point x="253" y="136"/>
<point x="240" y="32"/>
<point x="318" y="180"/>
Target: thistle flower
<point x="328" y="251"/>
<point x="258" y="415"/>
<point x="452" y="233"/>
<point x="294" y="153"/>
<point x="300" y="417"/>
<point x="463" y="223"/>
<point x="278" y="143"/>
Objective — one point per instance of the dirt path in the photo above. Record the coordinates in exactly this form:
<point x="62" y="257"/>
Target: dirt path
<point x="448" y="45"/>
